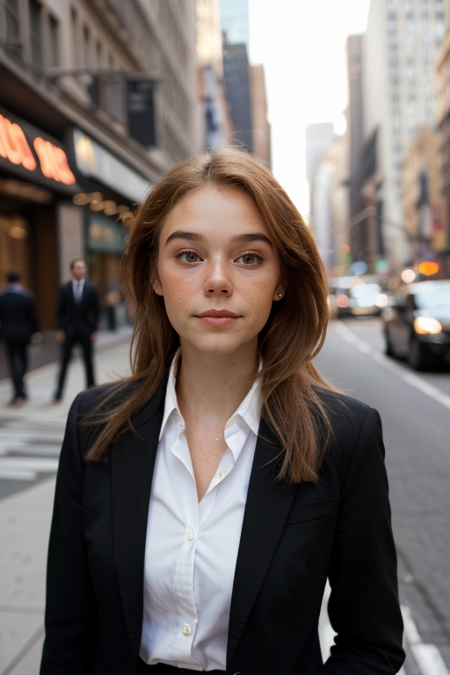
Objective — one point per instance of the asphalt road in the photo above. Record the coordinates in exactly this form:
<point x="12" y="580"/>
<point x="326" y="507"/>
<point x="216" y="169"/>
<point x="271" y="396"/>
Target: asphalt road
<point x="415" y="410"/>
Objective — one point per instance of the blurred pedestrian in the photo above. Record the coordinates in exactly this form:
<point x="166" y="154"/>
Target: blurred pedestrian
<point x="18" y="323"/>
<point x="78" y="314"/>
<point x="202" y="503"/>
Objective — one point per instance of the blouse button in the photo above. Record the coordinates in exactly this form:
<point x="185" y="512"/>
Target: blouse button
<point x="186" y="629"/>
<point x="190" y="536"/>
<point x="222" y="473"/>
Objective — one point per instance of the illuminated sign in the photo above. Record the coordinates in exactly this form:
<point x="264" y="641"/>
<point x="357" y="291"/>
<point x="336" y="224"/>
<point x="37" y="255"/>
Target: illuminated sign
<point x="53" y="161"/>
<point x="17" y="141"/>
<point x="95" y="161"/>
<point x="428" y="268"/>
<point x="14" y="146"/>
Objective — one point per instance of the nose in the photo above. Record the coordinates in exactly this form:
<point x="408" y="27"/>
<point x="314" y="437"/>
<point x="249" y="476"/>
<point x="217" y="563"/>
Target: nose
<point x="218" y="278"/>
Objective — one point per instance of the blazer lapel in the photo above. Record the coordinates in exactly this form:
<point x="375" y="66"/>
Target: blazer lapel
<point x="268" y="504"/>
<point x="132" y="464"/>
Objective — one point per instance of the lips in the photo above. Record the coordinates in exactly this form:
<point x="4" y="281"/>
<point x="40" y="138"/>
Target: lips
<point x="217" y="318"/>
<point x="218" y="313"/>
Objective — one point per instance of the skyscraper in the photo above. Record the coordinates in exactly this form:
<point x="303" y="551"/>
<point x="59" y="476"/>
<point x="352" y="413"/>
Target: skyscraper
<point x="399" y="49"/>
<point x="234" y="21"/>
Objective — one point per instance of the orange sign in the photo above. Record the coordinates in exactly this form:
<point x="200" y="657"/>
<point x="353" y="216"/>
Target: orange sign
<point x="52" y="159"/>
<point x="14" y="146"/>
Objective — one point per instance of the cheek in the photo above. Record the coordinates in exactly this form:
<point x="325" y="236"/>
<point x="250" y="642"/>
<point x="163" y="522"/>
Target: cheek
<point x="176" y="286"/>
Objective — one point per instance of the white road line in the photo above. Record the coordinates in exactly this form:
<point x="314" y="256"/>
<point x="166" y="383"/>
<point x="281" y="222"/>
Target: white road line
<point x="413" y="380"/>
<point x="41" y="464"/>
<point x="411" y="632"/>
<point x="31" y="450"/>
<point x="427" y="657"/>
<point x="7" y="434"/>
<point x="427" y="388"/>
<point x="17" y="475"/>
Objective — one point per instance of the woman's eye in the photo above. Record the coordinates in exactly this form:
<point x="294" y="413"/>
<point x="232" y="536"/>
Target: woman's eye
<point x="249" y="258"/>
<point x="189" y="257"/>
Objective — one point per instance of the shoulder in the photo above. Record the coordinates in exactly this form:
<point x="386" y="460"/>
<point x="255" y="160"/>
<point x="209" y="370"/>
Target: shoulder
<point x="103" y="397"/>
<point x="347" y="416"/>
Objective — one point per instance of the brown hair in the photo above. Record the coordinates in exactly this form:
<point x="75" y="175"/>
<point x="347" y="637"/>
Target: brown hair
<point x="292" y="337"/>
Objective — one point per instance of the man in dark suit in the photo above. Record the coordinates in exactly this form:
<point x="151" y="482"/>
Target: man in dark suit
<point x="18" y="322"/>
<point x="78" y="314"/>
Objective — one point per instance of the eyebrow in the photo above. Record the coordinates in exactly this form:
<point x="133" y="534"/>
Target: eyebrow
<point x="238" y="239"/>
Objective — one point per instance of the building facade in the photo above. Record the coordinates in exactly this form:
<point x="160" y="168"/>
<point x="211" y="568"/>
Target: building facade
<point x="399" y="49"/>
<point x="318" y="140"/>
<point x="442" y="66"/>
<point x="98" y="100"/>
<point x="217" y="125"/>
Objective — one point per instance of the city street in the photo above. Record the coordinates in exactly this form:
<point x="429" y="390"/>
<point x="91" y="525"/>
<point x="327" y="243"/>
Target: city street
<point x="30" y="441"/>
<point x="416" y="421"/>
<point x="416" y="424"/>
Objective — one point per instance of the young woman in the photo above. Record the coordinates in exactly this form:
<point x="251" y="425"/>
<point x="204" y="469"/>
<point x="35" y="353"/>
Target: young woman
<point x="202" y="503"/>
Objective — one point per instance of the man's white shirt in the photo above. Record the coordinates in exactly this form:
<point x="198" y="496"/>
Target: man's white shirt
<point x="77" y="287"/>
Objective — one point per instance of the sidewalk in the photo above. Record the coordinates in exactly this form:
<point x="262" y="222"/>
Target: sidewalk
<point x="25" y="516"/>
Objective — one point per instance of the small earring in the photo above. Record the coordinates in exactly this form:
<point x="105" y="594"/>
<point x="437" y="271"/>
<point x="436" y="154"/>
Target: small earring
<point x="279" y="295"/>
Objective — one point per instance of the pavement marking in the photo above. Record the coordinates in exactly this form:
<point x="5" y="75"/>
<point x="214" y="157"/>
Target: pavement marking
<point x="427" y="657"/>
<point x="413" y="380"/>
<point x="40" y="464"/>
<point x="11" y="474"/>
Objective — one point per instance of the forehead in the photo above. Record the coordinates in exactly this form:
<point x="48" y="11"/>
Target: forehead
<point x="211" y="206"/>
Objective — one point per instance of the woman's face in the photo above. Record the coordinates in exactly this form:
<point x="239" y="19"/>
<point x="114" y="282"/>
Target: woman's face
<point x="218" y="270"/>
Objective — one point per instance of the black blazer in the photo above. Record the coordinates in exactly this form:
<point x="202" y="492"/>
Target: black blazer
<point x="293" y="538"/>
<point x="82" y="318"/>
<point x="18" y="316"/>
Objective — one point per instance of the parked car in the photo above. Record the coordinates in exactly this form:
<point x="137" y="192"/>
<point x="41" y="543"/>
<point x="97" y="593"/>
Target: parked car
<point x="417" y="324"/>
<point x="355" y="296"/>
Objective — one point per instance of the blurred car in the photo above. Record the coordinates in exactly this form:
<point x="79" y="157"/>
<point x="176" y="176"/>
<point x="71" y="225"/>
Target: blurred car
<point x="416" y="324"/>
<point x="355" y="296"/>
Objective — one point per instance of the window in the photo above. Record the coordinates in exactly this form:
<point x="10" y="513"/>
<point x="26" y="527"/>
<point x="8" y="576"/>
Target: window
<point x="76" y="42"/>
<point x="54" y="41"/>
<point x="35" y="32"/>
<point x="12" y="20"/>
<point x="99" y="54"/>
<point x="86" y="47"/>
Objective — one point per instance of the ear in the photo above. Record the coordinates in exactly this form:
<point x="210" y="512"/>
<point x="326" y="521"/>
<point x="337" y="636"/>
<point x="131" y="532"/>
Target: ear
<point x="155" y="280"/>
<point x="280" y="291"/>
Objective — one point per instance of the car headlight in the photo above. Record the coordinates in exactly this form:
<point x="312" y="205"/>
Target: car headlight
<point x="382" y="300"/>
<point x="425" y="325"/>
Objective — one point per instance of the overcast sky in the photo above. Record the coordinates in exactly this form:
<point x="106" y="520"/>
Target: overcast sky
<point x="301" y="45"/>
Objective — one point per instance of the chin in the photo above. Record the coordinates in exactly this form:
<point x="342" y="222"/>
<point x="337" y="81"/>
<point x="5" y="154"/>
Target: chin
<point x="221" y="347"/>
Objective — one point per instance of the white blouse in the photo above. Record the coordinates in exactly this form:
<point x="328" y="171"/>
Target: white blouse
<point x="191" y="547"/>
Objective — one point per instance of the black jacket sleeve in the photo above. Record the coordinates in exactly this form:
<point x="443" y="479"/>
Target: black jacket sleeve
<point x="363" y="607"/>
<point x="72" y="625"/>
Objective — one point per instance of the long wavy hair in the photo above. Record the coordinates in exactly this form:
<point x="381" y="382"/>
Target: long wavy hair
<point x="292" y="337"/>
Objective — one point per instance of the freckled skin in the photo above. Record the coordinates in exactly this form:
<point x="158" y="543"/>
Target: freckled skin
<point x="217" y="272"/>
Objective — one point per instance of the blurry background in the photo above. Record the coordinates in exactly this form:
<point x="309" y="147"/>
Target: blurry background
<point x="348" y="102"/>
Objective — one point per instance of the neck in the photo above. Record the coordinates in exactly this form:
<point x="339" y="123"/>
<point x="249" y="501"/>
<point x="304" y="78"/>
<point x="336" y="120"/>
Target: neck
<point x="210" y="387"/>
